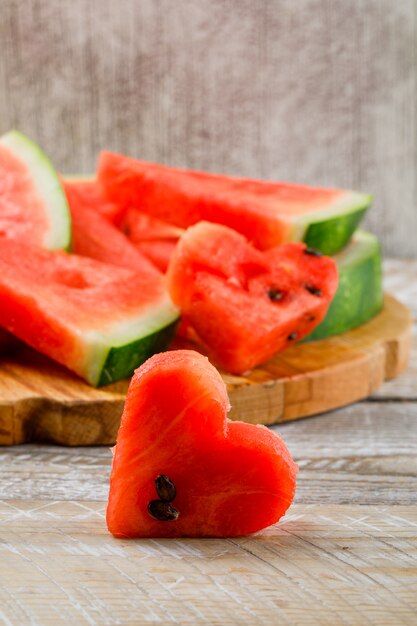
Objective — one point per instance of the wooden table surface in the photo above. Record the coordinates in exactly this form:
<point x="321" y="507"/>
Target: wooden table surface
<point x="345" y="554"/>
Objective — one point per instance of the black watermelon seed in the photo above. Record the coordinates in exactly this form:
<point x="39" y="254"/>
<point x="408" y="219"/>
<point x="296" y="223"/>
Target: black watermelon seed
<point x="162" y="511"/>
<point x="312" y="318"/>
<point x="275" y="295"/>
<point x="165" y="488"/>
<point x="292" y="336"/>
<point x="312" y="252"/>
<point x="314" y="290"/>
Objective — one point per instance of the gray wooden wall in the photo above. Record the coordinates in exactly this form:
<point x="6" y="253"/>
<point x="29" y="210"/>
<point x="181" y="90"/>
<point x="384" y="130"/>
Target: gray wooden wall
<point x="315" y="91"/>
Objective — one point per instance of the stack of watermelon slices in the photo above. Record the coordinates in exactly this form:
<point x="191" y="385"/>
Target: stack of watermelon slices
<point x="268" y="214"/>
<point x="83" y="261"/>
<point x="100" y="311"/>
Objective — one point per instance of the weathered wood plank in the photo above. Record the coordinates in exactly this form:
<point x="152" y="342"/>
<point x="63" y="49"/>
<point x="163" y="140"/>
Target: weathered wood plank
<point x="322" y="565"/>
<point x="363" y="454"/>
<point x="405" y="386"/>
<point x="400" y="279"/>
<point x="311" y="91"/>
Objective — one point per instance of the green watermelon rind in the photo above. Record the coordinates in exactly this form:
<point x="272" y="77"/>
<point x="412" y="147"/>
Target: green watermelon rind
<point x="48" y="185"/>
<point x="114" y="353"/>
<point x="359" y="296"/>
<point x="122" y="361"/>
<point x="330" y="230"/>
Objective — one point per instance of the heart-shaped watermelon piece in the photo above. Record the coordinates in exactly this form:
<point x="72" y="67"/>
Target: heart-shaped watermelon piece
<point x="245" y="305"/>
<point x="182" y="469"/>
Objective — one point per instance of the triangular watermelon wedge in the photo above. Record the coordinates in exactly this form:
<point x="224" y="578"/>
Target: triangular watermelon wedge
<point x="267" y="213"/>
<point x="97" y="237"/>
<point x="33" y="206"/>
<point x="151" y="238"/>
<point x="101" y="321"/>
<point x="86" y="192"/>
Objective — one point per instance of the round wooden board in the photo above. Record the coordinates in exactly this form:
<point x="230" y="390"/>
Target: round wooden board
<point x="40" y="400"/>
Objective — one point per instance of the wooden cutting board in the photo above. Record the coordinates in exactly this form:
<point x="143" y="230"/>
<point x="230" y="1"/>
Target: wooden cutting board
<point x="40" y="400"/>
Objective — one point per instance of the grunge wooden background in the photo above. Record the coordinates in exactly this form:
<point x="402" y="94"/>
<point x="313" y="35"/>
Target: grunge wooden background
<point x="315" y="91"/>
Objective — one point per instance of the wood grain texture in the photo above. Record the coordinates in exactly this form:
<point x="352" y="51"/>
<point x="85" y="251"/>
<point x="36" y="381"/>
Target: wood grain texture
<point x="405" y="386"/>
<point x="311" y="91"/>
<point x="40" y="400"/>
<point x="362" y="454"/>
<point x="400" y="278"/>
<point x="324" y="565"/>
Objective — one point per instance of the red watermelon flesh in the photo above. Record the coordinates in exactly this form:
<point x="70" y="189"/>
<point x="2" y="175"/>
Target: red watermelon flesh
<point x="17" y="191"/>
<point x="158" y="252"/>
<point x="100" y="321"/>
<point x="87" y="193"/>
<point x="267" y="213"/>
<point x="33" y="207"/>
<point x="152" y="237"/>
<point x="95" y="237"/>
<point x="230" y="478"/>
<point x="139" y="226"/>
<point x="243" y="304"/>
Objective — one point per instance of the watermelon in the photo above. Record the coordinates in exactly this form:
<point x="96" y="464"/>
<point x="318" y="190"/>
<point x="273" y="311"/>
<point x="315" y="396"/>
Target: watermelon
<point x="243" y="304"/>
<point x="152" y="237"/>
<point x="86" y="192"/>
<point x="158" y="252"/>
<point x="182" y="469"/>
<point x="33" y="206"/>
<point x="100" y="321"/>
<point x="359" y="296"/>
<point x="96" y="237"/>
<point x="267" y="213"/>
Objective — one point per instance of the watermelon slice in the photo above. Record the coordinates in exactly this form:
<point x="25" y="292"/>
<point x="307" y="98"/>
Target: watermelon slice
<point x="359" y="296"/>
<point x="267" y="213"/>
<point x="139" y="226"/>
<point x="181" y="469"/>
<point x="243" y="304"/>
<point x="94" y="236"/>
<point x="152" y="237"/>
<point x="158" y="252"/>
<point x="33" y="206"/>
<point x="86" y="192"/>
<point x="98" y="320"/>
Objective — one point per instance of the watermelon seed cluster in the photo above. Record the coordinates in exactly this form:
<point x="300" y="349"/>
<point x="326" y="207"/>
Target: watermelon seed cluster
<point x="161" y="509"/>
<point x="276" y="295"/>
